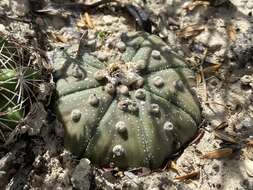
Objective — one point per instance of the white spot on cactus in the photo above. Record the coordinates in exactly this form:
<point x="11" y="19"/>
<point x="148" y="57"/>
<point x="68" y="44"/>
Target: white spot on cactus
<point x="76" y="115"/>
<point x="99" y="75"/>
<point x="156" y="54"/>
<point x="123" y="105"/>
<point x="140" y="65"/>
<point x="123" y="89"/>
<point x="118" y="151"/>
<point x="154" y="108"/>
<point x="140" y="94"/>
<point x="121" y="127"/>
<point x="78" y="74"/>
<point x="158" y="82"/>
<point x="133" y="106"/>
<point x="139" y="83"/>
<point x="93" y="100"/>
<point x="179" y="85"/>
<point x="168" y="126"/>
<point x="166" y="49"/>
<point x="109" y="88"/>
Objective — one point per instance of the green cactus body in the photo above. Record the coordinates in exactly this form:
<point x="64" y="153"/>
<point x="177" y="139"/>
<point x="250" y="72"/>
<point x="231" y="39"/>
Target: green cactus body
<point x="131" y="113"/>
<point x="10" y="110"/>
<point x="11" y="105"/>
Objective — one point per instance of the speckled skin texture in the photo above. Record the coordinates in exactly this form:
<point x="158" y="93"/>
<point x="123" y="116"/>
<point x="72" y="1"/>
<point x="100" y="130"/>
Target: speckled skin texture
<point x="135" y="112"/>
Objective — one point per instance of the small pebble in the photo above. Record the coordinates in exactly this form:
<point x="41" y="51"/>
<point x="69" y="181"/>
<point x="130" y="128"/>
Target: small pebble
<point x="108" y="19"/>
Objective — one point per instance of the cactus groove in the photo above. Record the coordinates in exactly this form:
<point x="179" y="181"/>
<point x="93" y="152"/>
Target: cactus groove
<point x="129" y="113"/>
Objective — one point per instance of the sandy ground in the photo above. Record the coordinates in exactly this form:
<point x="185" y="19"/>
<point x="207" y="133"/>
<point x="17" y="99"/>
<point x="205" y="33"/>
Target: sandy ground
<point x="216" y="40"/>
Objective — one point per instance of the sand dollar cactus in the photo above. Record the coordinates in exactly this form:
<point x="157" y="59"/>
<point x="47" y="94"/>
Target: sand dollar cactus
<point x="134" y="112"/>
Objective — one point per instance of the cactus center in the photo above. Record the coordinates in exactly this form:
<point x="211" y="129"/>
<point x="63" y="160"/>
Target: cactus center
<point x="124" y="74"/>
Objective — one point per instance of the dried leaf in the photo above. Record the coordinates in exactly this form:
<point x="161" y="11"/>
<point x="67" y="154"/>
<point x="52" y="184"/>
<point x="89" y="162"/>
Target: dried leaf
<point x="61" y="38"/>
<point x="188" y="176"/>
<point x="219" y="153"/>
<point x="231" y="31"/>
<point x="191" y="31"/>
<point x="223" y="136"/>
<point x="191" y="6"/>
<point x="173" y="166"/>
<point x="85" y="21"/>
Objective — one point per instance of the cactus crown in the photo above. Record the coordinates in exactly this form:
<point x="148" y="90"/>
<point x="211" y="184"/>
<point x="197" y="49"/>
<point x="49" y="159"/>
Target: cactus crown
<point x="133" y="112"/>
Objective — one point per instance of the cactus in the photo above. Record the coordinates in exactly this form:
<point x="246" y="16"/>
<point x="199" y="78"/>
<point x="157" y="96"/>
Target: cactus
<point x="15" y="79"/>
<point x="134" y="112"/>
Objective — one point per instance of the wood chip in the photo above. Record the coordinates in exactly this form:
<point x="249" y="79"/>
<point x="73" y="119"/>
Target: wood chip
<point x="223" y="136"/>
<point x="173" y="166"/>
<point x="191" y="31"/>
<point x="85" y="21"/>
<point x="59" y="37"/>
<point x="188" y="176"/>
<point x="88" y="20"/>
<point x="81" y="23"/>
<point x="219" y="153"/>
<point x="231" y="31"/>
<point x="212" y="69"/>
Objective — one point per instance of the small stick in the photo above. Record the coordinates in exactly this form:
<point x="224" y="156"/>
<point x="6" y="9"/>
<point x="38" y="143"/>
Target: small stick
<point x="188" y="176"/>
